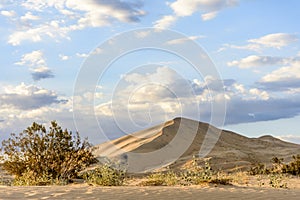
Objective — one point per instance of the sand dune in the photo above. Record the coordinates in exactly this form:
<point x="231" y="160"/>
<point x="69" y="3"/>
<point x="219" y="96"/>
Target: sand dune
<point x="175" y="142"/>
<point x="154" y="148"/>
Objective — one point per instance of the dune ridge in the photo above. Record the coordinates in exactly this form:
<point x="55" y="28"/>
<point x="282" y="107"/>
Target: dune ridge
<point x="229" y="150"/>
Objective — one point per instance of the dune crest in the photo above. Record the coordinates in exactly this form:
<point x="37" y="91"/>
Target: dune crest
<point x="227" y="150"/>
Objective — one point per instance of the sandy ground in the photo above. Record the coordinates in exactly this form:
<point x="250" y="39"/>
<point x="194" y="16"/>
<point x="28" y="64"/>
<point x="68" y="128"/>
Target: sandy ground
<point x="129" y="192"/>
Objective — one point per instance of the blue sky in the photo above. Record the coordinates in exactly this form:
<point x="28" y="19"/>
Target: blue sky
<point x="253" y="44"/>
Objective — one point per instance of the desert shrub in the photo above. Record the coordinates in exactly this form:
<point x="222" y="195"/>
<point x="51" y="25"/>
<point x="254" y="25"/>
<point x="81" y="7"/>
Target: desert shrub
<point x="37" y="155"/>
<point x="259" y="169"/>
<point x="197" y="174"/>
<point x="278" y="167"/>
<point x="293" y="167"/>
<point x="104" y="175"/>
<point x="161" y="179"/>
<point x="30" y="178"/>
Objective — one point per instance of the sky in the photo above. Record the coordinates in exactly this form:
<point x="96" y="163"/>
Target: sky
<point x="107" y="68"/>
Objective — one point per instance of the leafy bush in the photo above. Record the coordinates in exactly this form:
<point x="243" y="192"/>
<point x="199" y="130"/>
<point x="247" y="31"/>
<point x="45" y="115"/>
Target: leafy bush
<point x="36" y="156"/>
<point x="105" y="176"/>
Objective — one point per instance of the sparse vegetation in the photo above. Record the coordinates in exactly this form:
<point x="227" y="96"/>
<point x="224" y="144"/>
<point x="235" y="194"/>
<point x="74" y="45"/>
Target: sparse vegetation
<point x="278" y="167"/>
<point x="277" y="172"/>
<point x="104" y="175"/>
<point x="293" y="167"/>
<point x="193" y="176"/>
<point x="40" y="157"/>
<point x="161" y="179"/>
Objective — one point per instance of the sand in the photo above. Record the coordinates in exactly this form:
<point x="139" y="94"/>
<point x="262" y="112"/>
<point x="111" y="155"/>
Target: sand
<point x="144" y="193"/>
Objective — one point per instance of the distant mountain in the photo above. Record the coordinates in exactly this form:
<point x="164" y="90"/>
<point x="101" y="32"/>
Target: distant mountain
<point x="175" y="143"/>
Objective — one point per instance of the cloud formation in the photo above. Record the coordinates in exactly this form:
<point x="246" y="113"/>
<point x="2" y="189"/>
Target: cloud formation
<point x="70" y="15"/>
<point x="183" y="8"/>
<point x="176" y="96"/>
<point x="274" y="40"/>
<point x="285" y="78"/>
<point x="37" y="65"/>
<point x="257" y="61"/>
<point x="8" y="13"/>
<point x="41" y="73"/>
<point x="27" y="97"/>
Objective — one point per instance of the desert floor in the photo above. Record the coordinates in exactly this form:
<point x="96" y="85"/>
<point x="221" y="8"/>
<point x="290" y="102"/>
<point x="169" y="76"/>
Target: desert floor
<point x="156" y="192"/>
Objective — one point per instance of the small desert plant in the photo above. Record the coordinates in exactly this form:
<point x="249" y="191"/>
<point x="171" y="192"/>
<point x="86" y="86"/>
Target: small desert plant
<point x="221" y="179"/>
<point x="104" y="175"/>
<point x="196" y="175"/>
<point x="161" y="179"/>
<point x="276" y="181"/>
<point x="36" y="156"/>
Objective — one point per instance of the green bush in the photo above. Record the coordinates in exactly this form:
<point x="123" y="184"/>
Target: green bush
<point x="104" y="176"/>
<point x="36" y="156"/>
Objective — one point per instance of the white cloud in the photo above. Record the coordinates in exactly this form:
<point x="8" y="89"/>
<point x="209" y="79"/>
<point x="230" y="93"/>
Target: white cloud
<point x="249" y="47"/>
<point x="257" y="61"/>
<point x="101" y="13"/>
<point x="165" y="22"/>
<point x="209" y="16"/>
<point x="288" y="74"/>
<point x="33" y="59"/>
<point x="29" y="16"/>
<point x="26" y="97"/>
<point x="63" y="57"/>
<point x="37" y="64"/>
<point x="183" y="40"/>
<point x="26" y="103"/>
<point x="40" y="5"/>
<point x="51" y="29"/>
<point x="82" y="55"/>
<point x="8" y="13"/>
<point x="183" y="8"/>
<point x="70" y="15"/>
<point x="259" y="94"/>
<point x="275" y="40"/>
